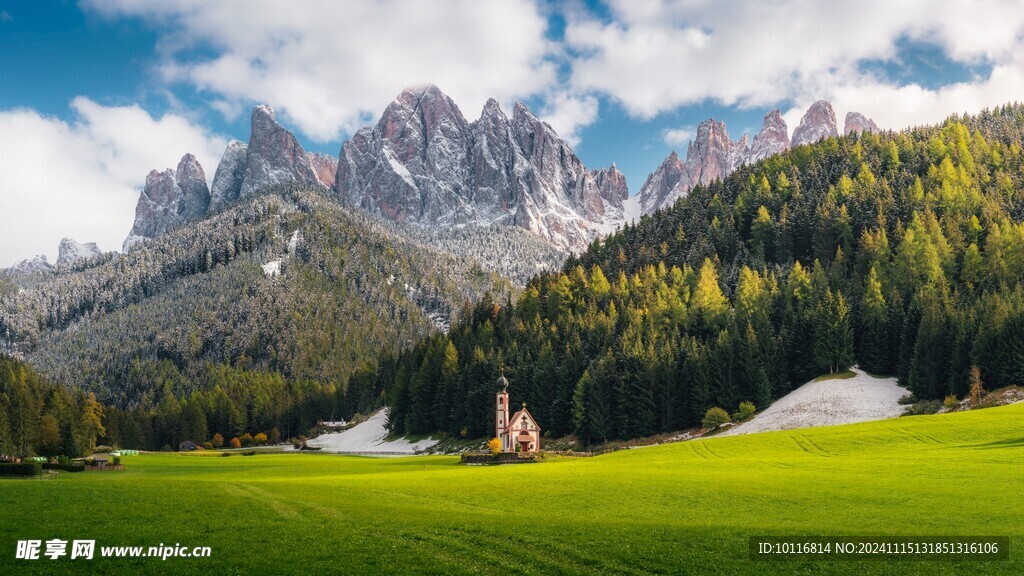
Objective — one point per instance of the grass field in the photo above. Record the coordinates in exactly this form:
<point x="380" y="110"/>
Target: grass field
<point x="685" y="508"/>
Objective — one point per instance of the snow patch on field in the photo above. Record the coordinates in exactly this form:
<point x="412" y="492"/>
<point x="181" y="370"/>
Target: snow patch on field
<point x="368" y="436"/>
<point x="829" y="403"/>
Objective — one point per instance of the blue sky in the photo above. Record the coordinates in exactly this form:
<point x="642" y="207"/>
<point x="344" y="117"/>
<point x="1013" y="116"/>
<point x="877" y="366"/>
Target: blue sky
<point x="94" y="94"/>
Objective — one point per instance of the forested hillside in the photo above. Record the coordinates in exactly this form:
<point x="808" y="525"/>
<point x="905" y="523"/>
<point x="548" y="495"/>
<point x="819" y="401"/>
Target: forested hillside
<point x="903" y="252"/>
<point x="256" y="318"/>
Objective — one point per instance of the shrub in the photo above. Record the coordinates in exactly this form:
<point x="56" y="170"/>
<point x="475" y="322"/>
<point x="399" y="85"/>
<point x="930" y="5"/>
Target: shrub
<point x="715" y="417"/>
<point x="494" y="445"/>
<point x="64" y="467"/>
<point x="23" y="469"/>
<point x="907" y="399"/>
<point x="950" y="402"/>
<point x="218" y="440"/>
<point x="208" y="445"/>
<point x="236" y="443"/>
<point x="117" y="461"/>
<point x="246" y="439"/>
<point x="275" y="436"/>
<point x="746" y="410"/>
<point x="225" y="454"/>
<point x="249" y="453"/>
<point x="260" y="439"/>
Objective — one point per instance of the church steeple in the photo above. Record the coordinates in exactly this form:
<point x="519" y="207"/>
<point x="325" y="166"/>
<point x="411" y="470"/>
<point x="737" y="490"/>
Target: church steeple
<point x="501" y="406"/>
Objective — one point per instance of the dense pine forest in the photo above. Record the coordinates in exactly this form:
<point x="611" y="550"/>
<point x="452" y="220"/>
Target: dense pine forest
<point x="901" y="252"/>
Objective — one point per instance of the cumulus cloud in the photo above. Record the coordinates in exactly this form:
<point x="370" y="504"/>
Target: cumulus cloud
<point x="330" y="67"/>
<point x="81" y="178"/>
<point x="568" y="114"/>
<point x="654" y="57"/>
<point x="678" y="137"/>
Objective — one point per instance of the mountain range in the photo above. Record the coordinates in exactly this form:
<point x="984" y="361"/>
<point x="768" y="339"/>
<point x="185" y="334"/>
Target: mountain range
<point x="423" y="164"/>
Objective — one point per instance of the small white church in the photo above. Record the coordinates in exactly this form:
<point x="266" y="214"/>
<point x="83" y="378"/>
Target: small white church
<point x="518" y="433"/>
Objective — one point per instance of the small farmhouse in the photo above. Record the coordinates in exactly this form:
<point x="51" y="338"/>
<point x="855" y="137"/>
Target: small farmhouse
<point x="518" y="433"/>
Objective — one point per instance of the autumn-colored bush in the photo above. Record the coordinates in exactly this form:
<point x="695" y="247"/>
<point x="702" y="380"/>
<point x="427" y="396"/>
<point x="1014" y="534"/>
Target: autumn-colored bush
<point x="218" y="441"/>
<point x="494" y="445"/>
<point x="246" y="439"/>
<point x="236" y="443"/>
<point x="259" y="439"/>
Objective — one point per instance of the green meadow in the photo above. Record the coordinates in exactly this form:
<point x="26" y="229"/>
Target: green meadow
<point x="685" y="508"/>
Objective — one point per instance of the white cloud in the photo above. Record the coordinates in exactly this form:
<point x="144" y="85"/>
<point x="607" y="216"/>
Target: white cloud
<point x="82" y="178"/>
<point x="330" y="66"/>
<point x="654" y="57"/>
<point x="678" y="137"/>
<point x="568" y="114"/>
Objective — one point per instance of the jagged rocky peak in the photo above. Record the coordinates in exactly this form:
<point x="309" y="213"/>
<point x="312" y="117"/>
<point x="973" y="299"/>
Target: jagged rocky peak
<point x="227" y="181"/>
<point x="325" y="167"/>
<point x="414" y="165"/>
<point x="612" y="185"/>
<point x="191" y="178"/>
<point x="70" y="251"/>
<point x="819" y="122"/>
<point x="772" y="139"/>
<point x="169" y="199"/>
<point x="857" y="122"/>
<point x="709" y="157"/>
<point x="273" y="156"/>
<point x="423" y="163"/>
<point x="661" y="183"/>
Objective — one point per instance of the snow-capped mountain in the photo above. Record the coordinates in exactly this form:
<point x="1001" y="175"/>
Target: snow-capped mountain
<point x="711" y="155"/>
<point x="70" y="251"/>
<point x="425" y="164"/>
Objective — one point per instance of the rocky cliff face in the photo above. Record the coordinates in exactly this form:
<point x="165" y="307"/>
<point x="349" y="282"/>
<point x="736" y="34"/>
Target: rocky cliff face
<point x="70" y="251"/>
<point x="772" y="139"/>
<point x="227" y="181"/>
<point x="857" y="122"/>
<point x="423" y="163"/>
<point x="818" y="122"/>
<point x="325" y="167"/>
<point x="169" y="199"/>
<point x="709" y="157"/>
<point x="273" y="155"/>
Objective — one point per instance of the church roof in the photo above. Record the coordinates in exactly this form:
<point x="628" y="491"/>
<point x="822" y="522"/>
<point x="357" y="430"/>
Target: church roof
<point x="519" y="416"/>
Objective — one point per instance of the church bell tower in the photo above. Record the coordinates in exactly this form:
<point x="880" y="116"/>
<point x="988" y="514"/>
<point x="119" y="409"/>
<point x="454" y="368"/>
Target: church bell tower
<point x="501" y="408"/>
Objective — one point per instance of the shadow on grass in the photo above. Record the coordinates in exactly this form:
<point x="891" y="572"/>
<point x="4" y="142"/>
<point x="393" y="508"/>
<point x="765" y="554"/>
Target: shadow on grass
<point x="1009" y="443"/>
